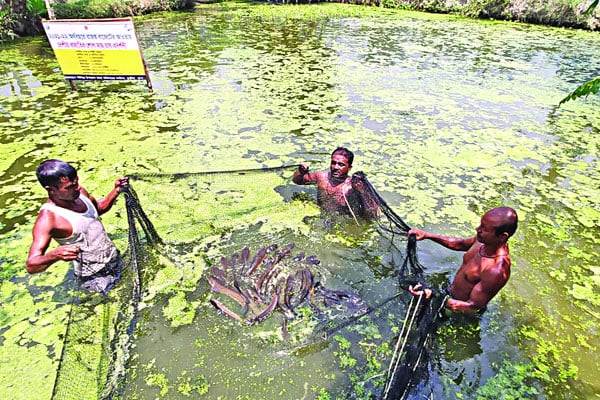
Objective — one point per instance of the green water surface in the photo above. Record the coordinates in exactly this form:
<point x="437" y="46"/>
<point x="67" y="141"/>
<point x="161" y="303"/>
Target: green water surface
<point x="447" y="117"/>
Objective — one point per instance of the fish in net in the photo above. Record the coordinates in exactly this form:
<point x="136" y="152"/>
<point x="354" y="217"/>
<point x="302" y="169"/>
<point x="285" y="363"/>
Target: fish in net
<point x="99" y="332"/>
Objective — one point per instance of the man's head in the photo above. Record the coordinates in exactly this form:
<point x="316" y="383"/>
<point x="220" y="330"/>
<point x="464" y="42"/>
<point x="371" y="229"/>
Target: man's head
<point x="497" y="225"/>
<point x="346" y="153"/>
<point x="50" y="172"/>
<point x="59" y="179"/>
<point x="341" y="163"/>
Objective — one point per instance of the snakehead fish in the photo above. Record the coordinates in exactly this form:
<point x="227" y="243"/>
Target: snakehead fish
<point x="221" y="307"/>
<point x="258" y="259"/>
<point x="220" y="287"/>
<point x="284" y="283"/>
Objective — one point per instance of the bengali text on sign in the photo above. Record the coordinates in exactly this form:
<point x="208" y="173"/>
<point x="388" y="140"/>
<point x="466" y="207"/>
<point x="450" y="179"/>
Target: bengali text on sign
<point x="96" y="49"/>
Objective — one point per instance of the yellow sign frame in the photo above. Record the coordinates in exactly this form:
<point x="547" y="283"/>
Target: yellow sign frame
<point x="97" y="49"/>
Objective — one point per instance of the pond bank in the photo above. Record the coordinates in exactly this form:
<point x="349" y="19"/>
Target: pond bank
<point x="23" y="17"/>
<point x="557" y="13"/>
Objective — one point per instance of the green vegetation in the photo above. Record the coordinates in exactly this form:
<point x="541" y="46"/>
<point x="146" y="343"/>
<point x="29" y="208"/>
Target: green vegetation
<point x="22" y="17"/>
<point x="83" y="9"/>
<point x="591" y="86"/>
<point x="453" y="157"/>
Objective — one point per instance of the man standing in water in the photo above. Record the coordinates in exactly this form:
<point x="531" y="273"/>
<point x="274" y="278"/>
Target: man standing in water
<point x="71" y="217"/>
<point x="336" y="191"/>
<point x="485" y="268"/>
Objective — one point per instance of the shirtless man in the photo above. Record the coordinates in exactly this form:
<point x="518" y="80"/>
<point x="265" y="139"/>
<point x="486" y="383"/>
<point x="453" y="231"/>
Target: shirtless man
<point x="70" y="216"/>
<point x="337" y="192"/>
<point x="485" y="268"/>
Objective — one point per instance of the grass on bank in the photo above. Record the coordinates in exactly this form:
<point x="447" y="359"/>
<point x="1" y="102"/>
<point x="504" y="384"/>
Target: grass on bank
<point x="22" y="17"/>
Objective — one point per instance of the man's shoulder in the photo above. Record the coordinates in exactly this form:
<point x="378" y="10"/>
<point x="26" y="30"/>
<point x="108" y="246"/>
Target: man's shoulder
<point x="498" y="270"/>
<point x="320" y="176"/>
<point x="47" y="209"/>
<point x="46" y="219"/>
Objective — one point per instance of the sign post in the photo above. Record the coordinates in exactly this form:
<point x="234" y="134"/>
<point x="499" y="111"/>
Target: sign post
<point x="97" y="49"/>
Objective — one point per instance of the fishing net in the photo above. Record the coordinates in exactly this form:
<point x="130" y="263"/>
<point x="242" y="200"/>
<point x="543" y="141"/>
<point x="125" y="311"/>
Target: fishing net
<point x="410" y="355"/>
<point x="100" y="328"/>
<point x="212" y="202"/>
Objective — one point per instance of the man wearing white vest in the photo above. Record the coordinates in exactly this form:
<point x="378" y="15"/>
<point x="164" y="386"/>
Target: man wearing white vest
<point x="71" y="217"/>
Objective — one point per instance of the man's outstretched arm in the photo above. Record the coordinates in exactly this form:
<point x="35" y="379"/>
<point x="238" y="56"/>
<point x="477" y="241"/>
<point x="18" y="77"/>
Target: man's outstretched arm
<point x="106" y="203"/>
<point x="450" y="242"/>
<point x="303" y="177"/>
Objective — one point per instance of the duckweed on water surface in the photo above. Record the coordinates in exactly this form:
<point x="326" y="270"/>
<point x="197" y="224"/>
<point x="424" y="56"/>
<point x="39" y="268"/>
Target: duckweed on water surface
<point x="447" y="117"/>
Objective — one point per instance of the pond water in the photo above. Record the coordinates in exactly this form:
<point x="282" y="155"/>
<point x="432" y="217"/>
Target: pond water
<point x="447" y="117"/>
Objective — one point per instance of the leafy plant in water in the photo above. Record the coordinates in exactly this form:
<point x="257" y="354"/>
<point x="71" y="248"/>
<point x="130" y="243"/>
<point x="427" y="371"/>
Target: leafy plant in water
<point x="346" y="359"/>
<point x="549" y="367"/>
<point x="592" y="7"/>
<point x="368" y="372"/>
<point x="159" y="380"/>
<point x="583" y="90"/>
<point x="323" y="395"/>
<point x="187" y="386"/>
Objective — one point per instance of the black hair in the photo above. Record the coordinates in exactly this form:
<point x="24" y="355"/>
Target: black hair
<point x="50" y="171"/>
<point x="346" y="153"/>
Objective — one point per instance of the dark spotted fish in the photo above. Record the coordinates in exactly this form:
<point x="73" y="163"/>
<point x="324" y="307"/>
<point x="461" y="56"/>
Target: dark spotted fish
<point x="284" y="330"/>
<point x="271" y="276"/>
<point x="225" y="262"/>
<point x="233" y="261"/>
<point x="260" y="281"/>
<point x="289" y="290"/>
<point x="307" y="285"/>
<point x="313" y="260"/>
<point x="344" y="298"/>
<point x="298" y="257"/>
<point x="252" y="294"/>
<point x="283" y="253"/>
<point x="288" y="313"/>
<point x="262" y="315"/>
<point x="218" y="273"/>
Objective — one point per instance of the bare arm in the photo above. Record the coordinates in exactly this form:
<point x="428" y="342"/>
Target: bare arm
<point x="450" y="242"/>
<point x="492" y="280"/>
<point x="105" y="204"/>
<point x="38" y="260"/>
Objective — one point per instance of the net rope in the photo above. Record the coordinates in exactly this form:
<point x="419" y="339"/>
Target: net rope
<point x="183" y="175"/>
<point x="421" y="318"/>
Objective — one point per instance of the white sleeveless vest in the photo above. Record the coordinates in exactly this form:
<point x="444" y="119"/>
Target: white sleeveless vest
<point x="96" y="248"/>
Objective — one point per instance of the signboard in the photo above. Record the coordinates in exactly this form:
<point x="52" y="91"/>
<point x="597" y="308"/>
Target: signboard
<point x="97" y="49"/>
